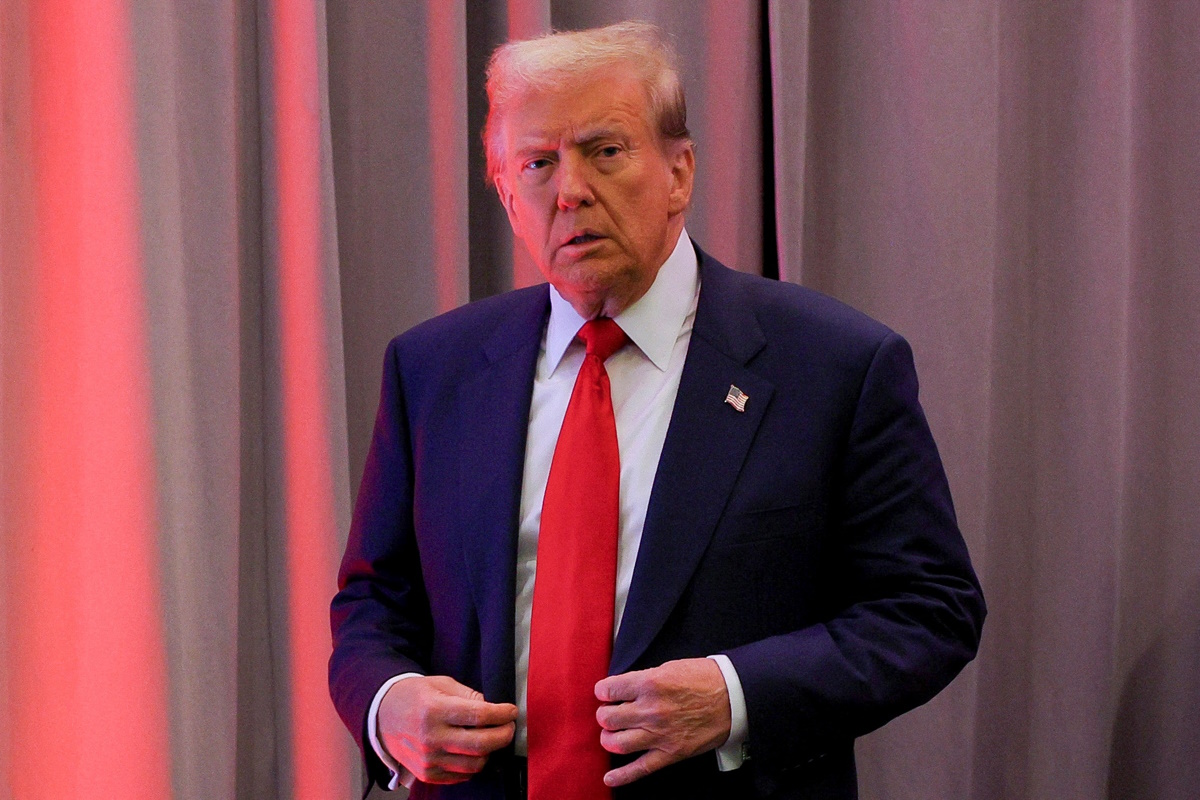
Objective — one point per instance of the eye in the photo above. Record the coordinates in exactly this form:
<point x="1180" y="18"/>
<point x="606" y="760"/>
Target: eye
<point x="609" y="151"/>
<point x="536" y="164"/>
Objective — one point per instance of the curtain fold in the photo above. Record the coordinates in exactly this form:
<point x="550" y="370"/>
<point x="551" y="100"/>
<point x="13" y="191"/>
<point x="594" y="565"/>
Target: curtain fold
<point x="186" y="220"/>
<point x="82" y="490"/>
<point x="307" y="485"/>
<point x="176" y="490"/>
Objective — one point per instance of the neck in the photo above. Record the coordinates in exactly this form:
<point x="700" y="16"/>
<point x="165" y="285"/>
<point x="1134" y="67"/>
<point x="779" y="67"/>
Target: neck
<point x="604" y="304"/>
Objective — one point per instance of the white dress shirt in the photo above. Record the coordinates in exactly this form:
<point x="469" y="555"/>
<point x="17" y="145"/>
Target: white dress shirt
<point x="644" y="376"/>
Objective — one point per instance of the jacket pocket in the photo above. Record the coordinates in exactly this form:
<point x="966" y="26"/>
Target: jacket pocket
<point x="754" y="527"/>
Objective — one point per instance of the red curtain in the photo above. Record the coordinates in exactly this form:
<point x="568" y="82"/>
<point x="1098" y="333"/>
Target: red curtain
<point x="87" y="671"/>
<point x="90" y="670"/>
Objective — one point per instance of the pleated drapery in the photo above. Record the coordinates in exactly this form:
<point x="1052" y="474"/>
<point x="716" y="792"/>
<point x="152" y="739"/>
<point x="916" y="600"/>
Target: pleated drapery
<point x="214" y="214"/>
<point x="175" y="478"/>
<point x="81" y="489"/>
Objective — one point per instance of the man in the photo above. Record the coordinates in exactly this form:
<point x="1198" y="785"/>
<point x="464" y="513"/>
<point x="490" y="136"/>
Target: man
<point x="658" y="529"/>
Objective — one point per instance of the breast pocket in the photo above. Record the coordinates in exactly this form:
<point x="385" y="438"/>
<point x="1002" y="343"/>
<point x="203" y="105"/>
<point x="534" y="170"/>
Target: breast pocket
<point x="775" y="558"/>
<point x="757" y="526"/>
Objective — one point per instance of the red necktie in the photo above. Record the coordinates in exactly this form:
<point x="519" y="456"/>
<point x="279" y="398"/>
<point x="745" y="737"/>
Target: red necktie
<point x="570" y="636"/>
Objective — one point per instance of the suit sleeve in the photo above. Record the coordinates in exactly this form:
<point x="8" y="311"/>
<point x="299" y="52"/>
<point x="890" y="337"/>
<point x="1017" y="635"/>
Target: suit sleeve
<point x="909" y="607"/>
<point x="380" y="616"/>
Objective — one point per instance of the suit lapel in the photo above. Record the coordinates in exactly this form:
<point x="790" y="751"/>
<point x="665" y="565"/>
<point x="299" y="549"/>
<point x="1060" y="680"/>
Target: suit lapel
<point x="706" y="443"/>
<point x="494" y="419"/>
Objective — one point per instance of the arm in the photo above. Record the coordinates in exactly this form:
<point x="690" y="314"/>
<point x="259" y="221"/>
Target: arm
<point x="380" y="616"/>
<point x="382" y="626"/>
<point x="909" y="608"/>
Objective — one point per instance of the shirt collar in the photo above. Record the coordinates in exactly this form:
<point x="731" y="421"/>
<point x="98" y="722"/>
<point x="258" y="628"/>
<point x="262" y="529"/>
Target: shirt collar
<point x="652" y="323"/>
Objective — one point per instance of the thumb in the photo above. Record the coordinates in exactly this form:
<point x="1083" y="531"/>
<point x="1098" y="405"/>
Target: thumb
<point x="448" y="685"/>
<point x="465" y="707"/>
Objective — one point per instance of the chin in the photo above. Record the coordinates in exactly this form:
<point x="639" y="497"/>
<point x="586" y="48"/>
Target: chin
<point x="591" y="276"/>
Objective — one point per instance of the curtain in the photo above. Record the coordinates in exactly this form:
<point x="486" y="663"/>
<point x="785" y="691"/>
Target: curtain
<point x="214" y="214"/>
<point x="174" y="429"/>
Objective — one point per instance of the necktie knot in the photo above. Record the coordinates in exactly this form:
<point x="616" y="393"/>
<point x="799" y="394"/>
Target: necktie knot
<point x="603" y="337"/>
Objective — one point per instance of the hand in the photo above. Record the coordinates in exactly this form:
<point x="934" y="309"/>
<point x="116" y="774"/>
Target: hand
<point x="440" y="730"/>
<point x="671" y="712"/>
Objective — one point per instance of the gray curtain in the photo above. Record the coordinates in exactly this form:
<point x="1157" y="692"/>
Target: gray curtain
<point x="1014" y="186"/>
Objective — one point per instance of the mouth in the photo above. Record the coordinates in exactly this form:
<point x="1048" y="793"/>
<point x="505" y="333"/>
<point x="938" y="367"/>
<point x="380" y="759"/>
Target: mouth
<point x="583" y="238"/>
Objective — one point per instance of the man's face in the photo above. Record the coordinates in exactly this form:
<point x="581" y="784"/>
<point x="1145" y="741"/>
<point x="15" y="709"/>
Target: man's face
<point x="589" y="189"/>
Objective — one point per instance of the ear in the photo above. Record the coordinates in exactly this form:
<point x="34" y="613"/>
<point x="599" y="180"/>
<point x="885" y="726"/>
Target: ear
<point x="683" y="171"/>
<point x="506" y="199"/>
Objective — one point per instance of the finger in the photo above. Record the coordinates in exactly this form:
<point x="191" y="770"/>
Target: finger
<point x="455" y="763"/>
<point x="648" y="762"/>
<point x="437" y="775"/>
<point x="629" y="741"/>
<point x="619" y="716"/>
<point x="441" y="778"/>
<point x="478" y="741"/>
<point x="492" y="713"/>
<point x="447" y="685"/>
<point x="438" y="766"/>
<point x="620" y="688"/>
<point x="471" y="713"/>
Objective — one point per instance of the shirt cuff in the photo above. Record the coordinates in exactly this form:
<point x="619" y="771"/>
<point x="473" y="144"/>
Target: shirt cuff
<point x="731" y="754"/>
<point x="400" y="775"/>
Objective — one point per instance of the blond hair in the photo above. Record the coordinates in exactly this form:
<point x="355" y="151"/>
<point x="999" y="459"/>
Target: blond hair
<point x="553" y="60"/>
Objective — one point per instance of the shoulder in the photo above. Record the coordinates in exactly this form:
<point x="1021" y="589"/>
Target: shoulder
<point x="793" y="320"/>
<point x="464" y="334"/>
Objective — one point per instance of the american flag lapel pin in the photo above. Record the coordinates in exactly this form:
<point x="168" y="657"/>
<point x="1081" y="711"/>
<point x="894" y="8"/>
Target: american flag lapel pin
<point x="737" y="398"/>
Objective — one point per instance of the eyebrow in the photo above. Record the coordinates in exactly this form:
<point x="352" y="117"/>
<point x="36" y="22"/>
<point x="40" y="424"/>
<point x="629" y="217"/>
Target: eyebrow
<point x="588" y="136"/>
<point x="538" y="142"/>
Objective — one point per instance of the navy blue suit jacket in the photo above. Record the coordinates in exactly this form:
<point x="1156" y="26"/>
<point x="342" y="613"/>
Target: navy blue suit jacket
<point x="812" y="538"/>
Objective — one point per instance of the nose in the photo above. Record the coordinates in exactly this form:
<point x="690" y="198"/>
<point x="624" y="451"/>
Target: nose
<point x="574" y="187"/>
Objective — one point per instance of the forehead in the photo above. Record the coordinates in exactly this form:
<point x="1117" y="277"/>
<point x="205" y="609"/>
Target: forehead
<point x="615" y="100"/>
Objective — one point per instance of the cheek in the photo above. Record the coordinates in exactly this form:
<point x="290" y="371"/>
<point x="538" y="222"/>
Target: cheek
<point x="645" y="214"/>
<point x="527" y="222"/>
